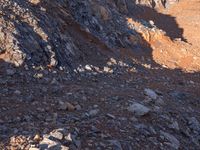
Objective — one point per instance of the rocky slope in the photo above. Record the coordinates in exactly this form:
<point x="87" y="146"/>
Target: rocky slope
<point x="53" y="33"/>
<point x="99" y="74"/>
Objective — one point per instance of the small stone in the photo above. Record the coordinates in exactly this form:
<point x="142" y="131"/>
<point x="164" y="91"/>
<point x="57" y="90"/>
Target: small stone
<point x="67" y="106"/>
<point x="69" y="137"/>
<point x="78" y="107"/>
<point x="151" y="22"/>
<point x="47" y="143"/>
<point x="17" y="92"/>
<point x="33" y="148"/>
<point x="64" y="147"/>
<point x="174" y="125"/>
<point x="37" y="138"/>
<point x="110" y="116"/>
<point x="93" y="112"/>
<point x="173" y="141"/>
<point x="150" y="93"/>
<point x="35" y="2"/>
<point x="10" y="72"/>
<point x="56" y="134"/>
<point x="134" y="119"/>
<point x="88" y="67"/>
<point x="54" y="82"/>
<point x="159" y="102"/>
<point x="107" y="70"/>
<point x="116" y="144"/>
<point x="138" y="109"/>
<point x="194" y="124"/>
<point x="38" y="75"/>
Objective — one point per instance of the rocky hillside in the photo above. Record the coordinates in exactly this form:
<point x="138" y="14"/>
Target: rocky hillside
<point x="70" y="33"/>
<point x="99" y="74"/>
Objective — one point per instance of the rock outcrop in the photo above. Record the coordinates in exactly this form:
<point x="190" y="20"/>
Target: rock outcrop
<point x="41" y="32"/>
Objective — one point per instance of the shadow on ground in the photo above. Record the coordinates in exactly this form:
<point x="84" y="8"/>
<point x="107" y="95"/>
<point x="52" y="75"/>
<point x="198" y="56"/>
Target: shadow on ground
<point x="164" y="22"/>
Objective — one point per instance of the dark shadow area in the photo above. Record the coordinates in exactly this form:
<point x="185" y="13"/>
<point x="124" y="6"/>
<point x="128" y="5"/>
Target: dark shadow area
<point x="164" y="22"/>
<point x="29" y="103"/>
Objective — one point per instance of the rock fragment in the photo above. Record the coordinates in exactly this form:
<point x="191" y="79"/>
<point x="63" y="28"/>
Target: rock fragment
<point x="150" y="93"/>
<point x="138" y="109"/>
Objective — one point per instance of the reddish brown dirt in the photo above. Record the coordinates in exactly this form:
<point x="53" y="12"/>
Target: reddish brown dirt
<point x="177" y="54"/>
<point x="179" y="47"/>
<point x="188" y="18"/>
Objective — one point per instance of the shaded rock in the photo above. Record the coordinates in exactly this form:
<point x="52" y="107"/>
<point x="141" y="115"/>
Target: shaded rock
<point x="17" y="92"/>
<point x="47" y="143"/>
<point x="110" y="116"/>
<point x="194" y="125"/>
<point x="174" y="126"/>
<point x="66" y="106"/>
<point x="93" y="112"/>
<point x="150" y="93"/>
<point x="10" y="72"/>
<point x="117" y="145"/>
<point x="138" y="109"/>
<point x="173" y="141"/>
<point x="178" y="95"/>
<point x="57" y="135"/>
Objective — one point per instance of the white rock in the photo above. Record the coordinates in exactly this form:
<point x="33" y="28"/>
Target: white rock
<point x="32" y="148"/>
<point x="138" y="109"/>
<point x="88" y="67"/>
<point x="56" y="134"/>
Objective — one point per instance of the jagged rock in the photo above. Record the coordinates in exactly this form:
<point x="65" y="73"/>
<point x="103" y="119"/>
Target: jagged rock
<point x="57" y="135"/>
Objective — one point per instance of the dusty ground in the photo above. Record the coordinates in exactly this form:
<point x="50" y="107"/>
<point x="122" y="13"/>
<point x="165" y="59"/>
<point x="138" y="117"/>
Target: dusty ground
<point x="32" y="102"/>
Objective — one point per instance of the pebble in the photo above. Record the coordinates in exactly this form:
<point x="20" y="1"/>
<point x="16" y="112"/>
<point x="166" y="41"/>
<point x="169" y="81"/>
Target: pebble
<point x="150" y="93"/>
<point x="194" y="124"/>
<point x="174" y="126"/>
<point x="17" y="92"/>
<point x="93" y="112"/>
<point x="66" y="106"/>
<point x="37" y="138"/>
<point x="110" y="116"/>
<point x="56" y="134"/>
<point x="138" y="109"/>
<point x="10" y="72"/>
<point x="117" y="145"/>
<point x="172" y="139"/>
